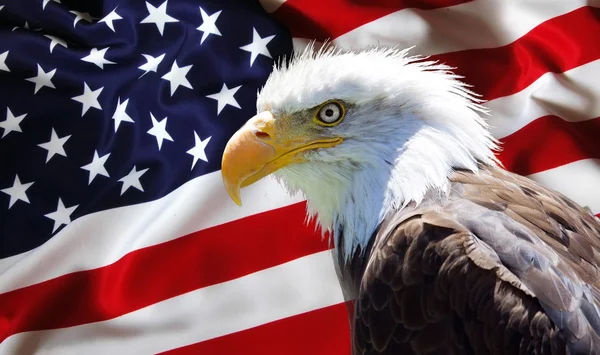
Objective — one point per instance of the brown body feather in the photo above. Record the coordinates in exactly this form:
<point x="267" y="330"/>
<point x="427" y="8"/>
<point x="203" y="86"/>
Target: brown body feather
<point x="500" y="266"/>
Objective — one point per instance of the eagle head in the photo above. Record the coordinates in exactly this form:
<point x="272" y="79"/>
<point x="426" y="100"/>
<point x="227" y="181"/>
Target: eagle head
<point x="360" y="134"/>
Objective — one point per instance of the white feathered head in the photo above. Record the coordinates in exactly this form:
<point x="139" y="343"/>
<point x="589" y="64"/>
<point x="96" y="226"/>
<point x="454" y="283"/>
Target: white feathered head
<point x="359" y="133"/>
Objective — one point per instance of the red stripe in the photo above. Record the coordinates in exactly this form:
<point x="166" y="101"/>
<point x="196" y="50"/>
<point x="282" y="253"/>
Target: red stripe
<point x="321" y="332"/>
<point x="557" y="45"/>
<point x="550" y="142"/>
<point x="153" y="274"/>
<point x="321" y="20"/>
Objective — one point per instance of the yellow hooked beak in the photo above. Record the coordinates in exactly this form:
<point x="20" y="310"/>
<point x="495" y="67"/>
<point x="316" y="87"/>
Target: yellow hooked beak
<point x="261" y="147"/>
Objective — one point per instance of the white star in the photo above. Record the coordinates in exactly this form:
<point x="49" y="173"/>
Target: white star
<point x="177" y="77"/>
<point x="151" y="63"/>
<point x="225" y="97"/>
<point x="17" y="191"/>
<point x="3" y="61"/>
<point x="112" y="16"/>
<point x="208" y="25"/>
<point x="97" y="57"/>
<point x="96" y="166"/>
<point x="62" y="215"/>
<point x="88" y="99"/>
<point x="42" y="79"/>
<point x="55" y="145"/>
<point x="1" y="7"/>
<point x="158" y="16"/>
<point x="46" y="3"/>
<point x="198" y="150"/>
<point x="11" y="123"/>
<point x="132" y="180"/>
<point x="81" y="16"/>
<point x="159" y="130"/>
<point x="55" y="40"/>
<point x="26" y="26"/>
<point x="120" y="115"/>
<point x="258" y="46"/>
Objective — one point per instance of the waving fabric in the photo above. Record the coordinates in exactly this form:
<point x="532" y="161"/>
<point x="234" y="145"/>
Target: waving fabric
<point x="116" y="234"/>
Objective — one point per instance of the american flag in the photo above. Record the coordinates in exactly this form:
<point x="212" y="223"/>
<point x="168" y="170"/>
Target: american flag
<point x="116" y="234"/>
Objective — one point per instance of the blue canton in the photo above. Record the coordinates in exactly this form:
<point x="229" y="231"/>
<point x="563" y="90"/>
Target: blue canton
<point x="111" y="103"/>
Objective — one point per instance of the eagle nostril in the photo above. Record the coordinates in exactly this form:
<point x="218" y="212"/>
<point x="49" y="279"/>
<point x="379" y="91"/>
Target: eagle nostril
<point x="262" y="135"/>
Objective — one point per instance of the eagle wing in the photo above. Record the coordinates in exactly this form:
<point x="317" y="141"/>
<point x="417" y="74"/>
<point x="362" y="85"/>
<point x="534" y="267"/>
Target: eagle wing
<point x="501" y="266"/>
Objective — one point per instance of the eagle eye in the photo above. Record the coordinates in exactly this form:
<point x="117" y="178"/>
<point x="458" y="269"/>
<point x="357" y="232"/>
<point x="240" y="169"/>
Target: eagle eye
<point x="330" y="113"/>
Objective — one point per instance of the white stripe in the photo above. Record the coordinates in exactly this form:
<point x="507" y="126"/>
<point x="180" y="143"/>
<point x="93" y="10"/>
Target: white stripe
<point x="102" y="238"/>
<point x="573" y="95"/>
<point x="299" y="44"/>
<point x="299" y="286"/>
<point x="476" y="24"/>
<point x="7" y="263"/>
<point x="578" y="180"/>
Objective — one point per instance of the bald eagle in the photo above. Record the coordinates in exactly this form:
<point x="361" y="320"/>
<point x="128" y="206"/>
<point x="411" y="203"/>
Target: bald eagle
<point x="442" y="249"/>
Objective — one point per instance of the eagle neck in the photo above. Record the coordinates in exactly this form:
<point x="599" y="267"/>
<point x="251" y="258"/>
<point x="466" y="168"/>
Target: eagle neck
<point x="397" y="178"/>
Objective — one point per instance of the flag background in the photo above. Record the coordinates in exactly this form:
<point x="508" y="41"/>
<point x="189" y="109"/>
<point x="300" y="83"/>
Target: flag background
<point x="155" y="257"/>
